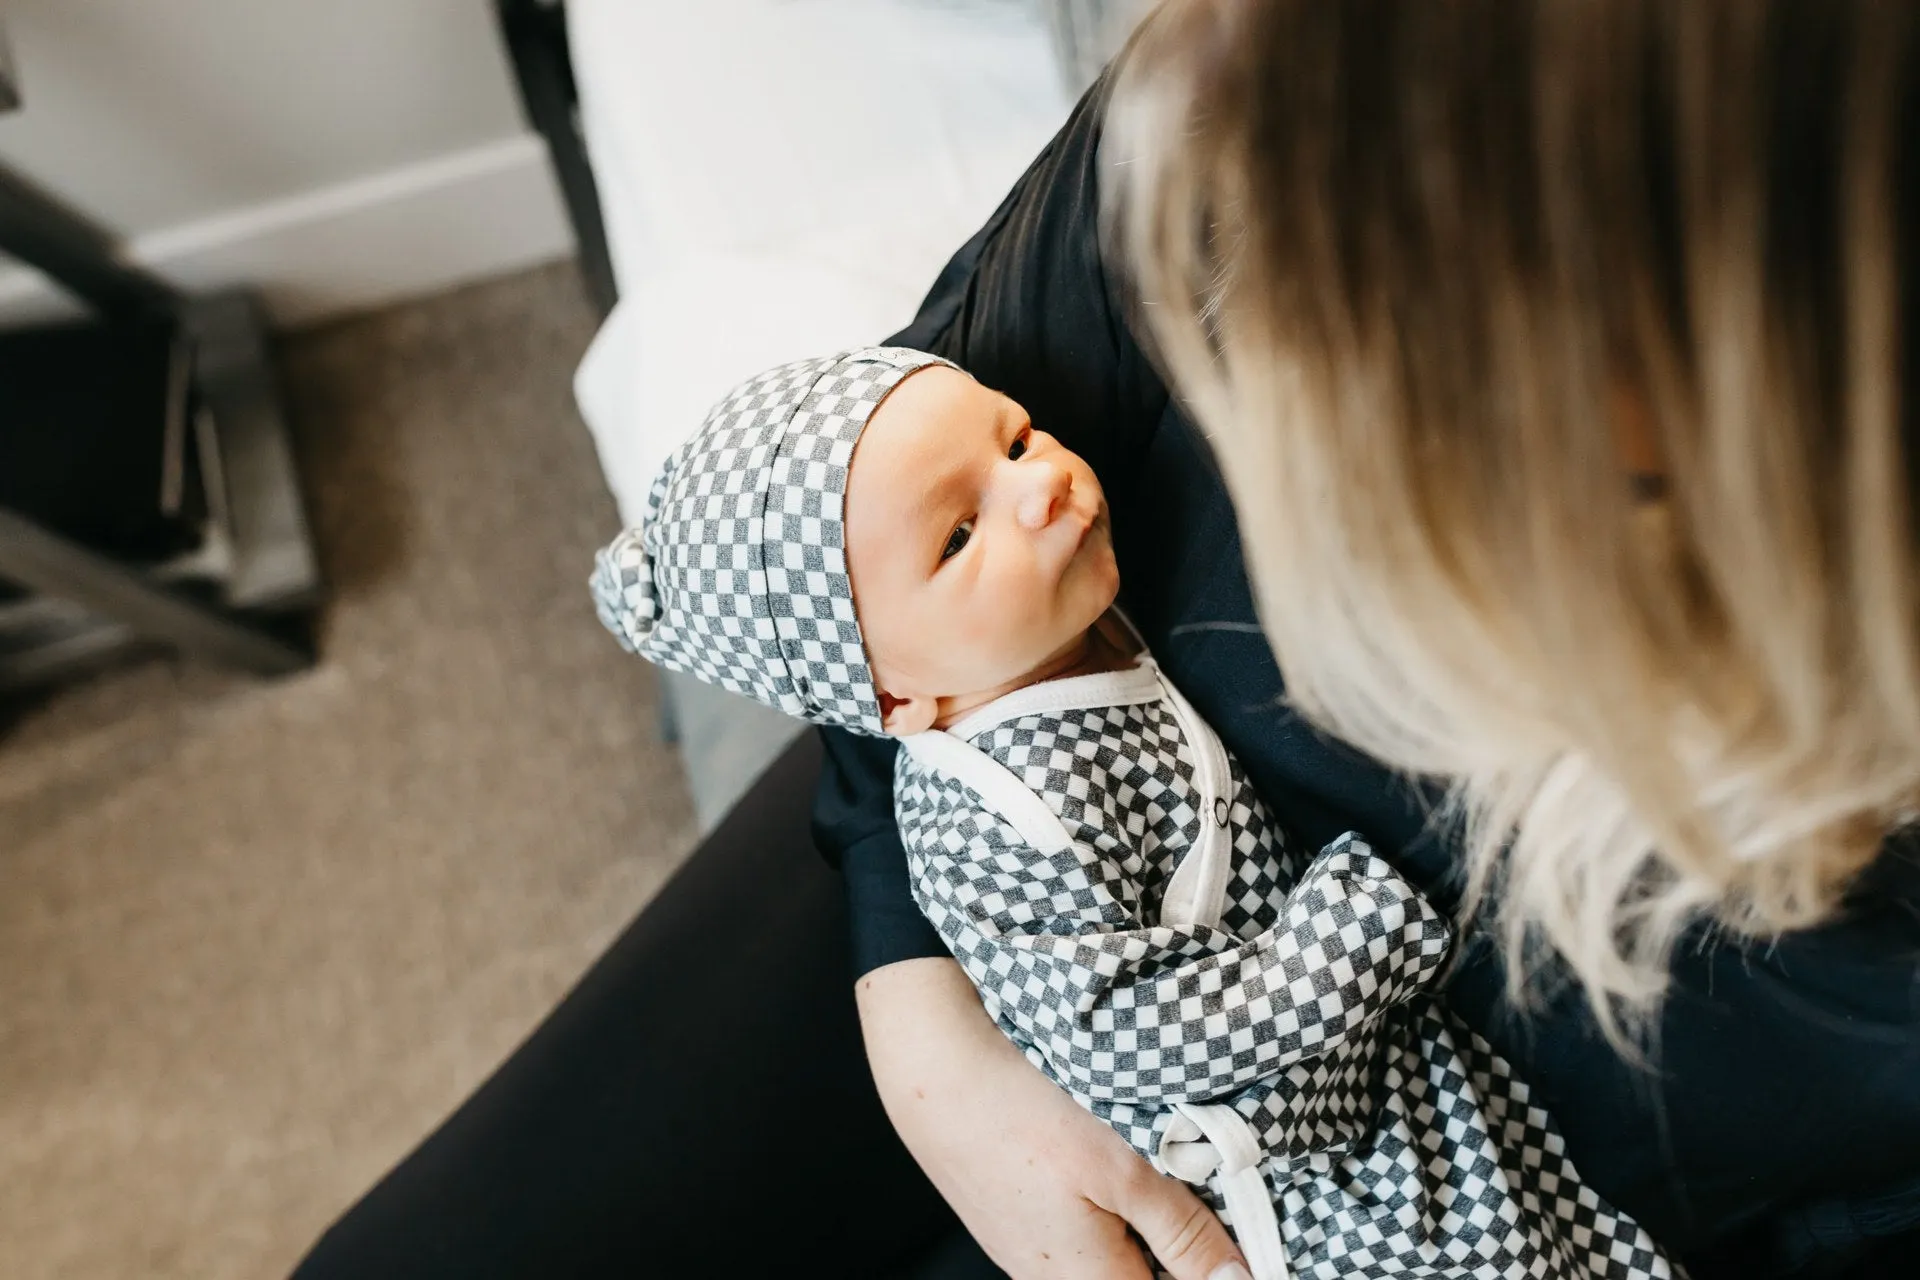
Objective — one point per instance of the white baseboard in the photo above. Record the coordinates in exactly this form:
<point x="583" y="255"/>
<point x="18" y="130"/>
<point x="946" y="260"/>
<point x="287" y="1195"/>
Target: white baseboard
<point x="375" y="240"/>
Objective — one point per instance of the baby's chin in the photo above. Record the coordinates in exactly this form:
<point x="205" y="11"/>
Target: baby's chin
<point x="1100" y="568"/>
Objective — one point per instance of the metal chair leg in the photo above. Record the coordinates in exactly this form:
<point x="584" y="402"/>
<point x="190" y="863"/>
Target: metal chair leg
<point x="45" y="562"/>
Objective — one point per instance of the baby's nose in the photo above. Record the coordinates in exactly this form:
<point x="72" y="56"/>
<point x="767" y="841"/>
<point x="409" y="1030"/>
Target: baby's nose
<point x="1046" y="492"/>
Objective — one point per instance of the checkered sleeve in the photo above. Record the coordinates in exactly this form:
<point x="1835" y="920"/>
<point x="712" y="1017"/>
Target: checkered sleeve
<point x="1124" y="1010"/>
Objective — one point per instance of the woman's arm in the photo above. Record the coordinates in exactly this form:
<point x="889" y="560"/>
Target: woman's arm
<point x="1047" y="1189"/>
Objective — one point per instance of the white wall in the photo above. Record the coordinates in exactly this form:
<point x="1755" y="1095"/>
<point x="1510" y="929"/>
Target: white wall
<point x="336" y="153"/>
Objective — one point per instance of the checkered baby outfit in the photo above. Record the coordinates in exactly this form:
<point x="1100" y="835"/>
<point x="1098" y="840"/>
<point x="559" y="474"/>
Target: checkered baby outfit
<point x="1288" y="1016"/>
<point x="1253" y="1022"/>
<point x="737" y="573"/>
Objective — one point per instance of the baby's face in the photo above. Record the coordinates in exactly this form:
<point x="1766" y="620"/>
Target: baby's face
<point x="978" y="546"/>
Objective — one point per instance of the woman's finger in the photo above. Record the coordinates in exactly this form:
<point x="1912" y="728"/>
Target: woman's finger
<point x="1181" y="1232"/>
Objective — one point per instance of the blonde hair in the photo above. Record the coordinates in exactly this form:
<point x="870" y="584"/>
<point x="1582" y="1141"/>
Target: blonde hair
<point x="1417" y="268"/>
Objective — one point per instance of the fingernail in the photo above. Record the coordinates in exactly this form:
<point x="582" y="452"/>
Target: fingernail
<point x="1230" y="1271"/>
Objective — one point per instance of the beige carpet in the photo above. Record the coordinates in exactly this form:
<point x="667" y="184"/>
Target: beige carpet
<point x="256" y="938"/>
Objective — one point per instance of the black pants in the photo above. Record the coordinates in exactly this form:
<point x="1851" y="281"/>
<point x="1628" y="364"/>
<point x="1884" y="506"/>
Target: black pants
<point x="699" y="1105"/>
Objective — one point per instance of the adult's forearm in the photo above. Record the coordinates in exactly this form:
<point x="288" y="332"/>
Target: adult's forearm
<point x="920" y="1018"/>
<point x="1049" y="1191"/>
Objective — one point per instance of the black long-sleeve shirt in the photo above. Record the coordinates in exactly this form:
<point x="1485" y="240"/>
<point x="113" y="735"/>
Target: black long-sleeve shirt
<point x="1779" y="1123"/>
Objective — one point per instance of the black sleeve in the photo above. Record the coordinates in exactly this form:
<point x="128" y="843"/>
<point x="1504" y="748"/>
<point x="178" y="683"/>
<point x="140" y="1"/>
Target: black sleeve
<point x="1027" y="307"/>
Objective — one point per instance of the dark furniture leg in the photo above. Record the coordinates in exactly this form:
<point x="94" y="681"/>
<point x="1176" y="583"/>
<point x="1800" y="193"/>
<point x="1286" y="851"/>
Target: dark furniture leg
<point x="275" y="565"/>
<point x="260" y="624"/>
<point x="536" y="35"/>
<point x="44" y="562"/>
<point x="38" y="229"/>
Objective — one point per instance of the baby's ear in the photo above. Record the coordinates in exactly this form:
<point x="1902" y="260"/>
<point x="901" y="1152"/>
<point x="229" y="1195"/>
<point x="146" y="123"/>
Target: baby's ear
<point x="904" y="717"/>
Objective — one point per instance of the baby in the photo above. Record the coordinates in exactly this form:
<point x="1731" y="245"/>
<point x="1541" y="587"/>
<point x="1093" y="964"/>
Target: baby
<point x="876" y="541"/>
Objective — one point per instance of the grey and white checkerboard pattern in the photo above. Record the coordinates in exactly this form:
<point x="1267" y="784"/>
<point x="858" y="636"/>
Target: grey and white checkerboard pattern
<point x="1400" y="1144"/>
<point x="1121" y="779"/>
<point x="737" y="574"/>
<point x="1453" y="1173"/>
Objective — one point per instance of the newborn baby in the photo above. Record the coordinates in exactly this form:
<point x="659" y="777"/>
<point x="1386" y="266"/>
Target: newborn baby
<point x="876" y="541"/>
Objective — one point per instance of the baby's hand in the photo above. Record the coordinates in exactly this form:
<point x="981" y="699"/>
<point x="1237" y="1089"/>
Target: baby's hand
<point x="1351" y="898"/>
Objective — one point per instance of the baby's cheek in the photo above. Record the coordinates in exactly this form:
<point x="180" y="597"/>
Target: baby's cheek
<point x="969" y="633"/>
<point x="990" y="634"/>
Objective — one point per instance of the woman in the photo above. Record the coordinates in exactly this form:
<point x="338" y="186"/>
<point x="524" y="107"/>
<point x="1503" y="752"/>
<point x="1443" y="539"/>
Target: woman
<point x="1553" y="353"/>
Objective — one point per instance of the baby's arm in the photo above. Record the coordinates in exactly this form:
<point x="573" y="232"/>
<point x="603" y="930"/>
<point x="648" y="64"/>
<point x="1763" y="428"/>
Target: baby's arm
<point x="1128" y="1012"/>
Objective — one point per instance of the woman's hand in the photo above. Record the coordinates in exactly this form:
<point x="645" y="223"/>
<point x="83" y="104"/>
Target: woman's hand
<point x="1046" y="1189"/>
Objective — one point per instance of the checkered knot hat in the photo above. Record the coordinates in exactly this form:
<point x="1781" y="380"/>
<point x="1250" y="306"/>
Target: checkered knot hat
<point x="737" y="573"/>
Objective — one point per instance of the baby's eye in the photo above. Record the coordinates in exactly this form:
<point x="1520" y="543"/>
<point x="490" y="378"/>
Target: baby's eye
<point x="956" y="540"/>
<point x="1018" y="448"/>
